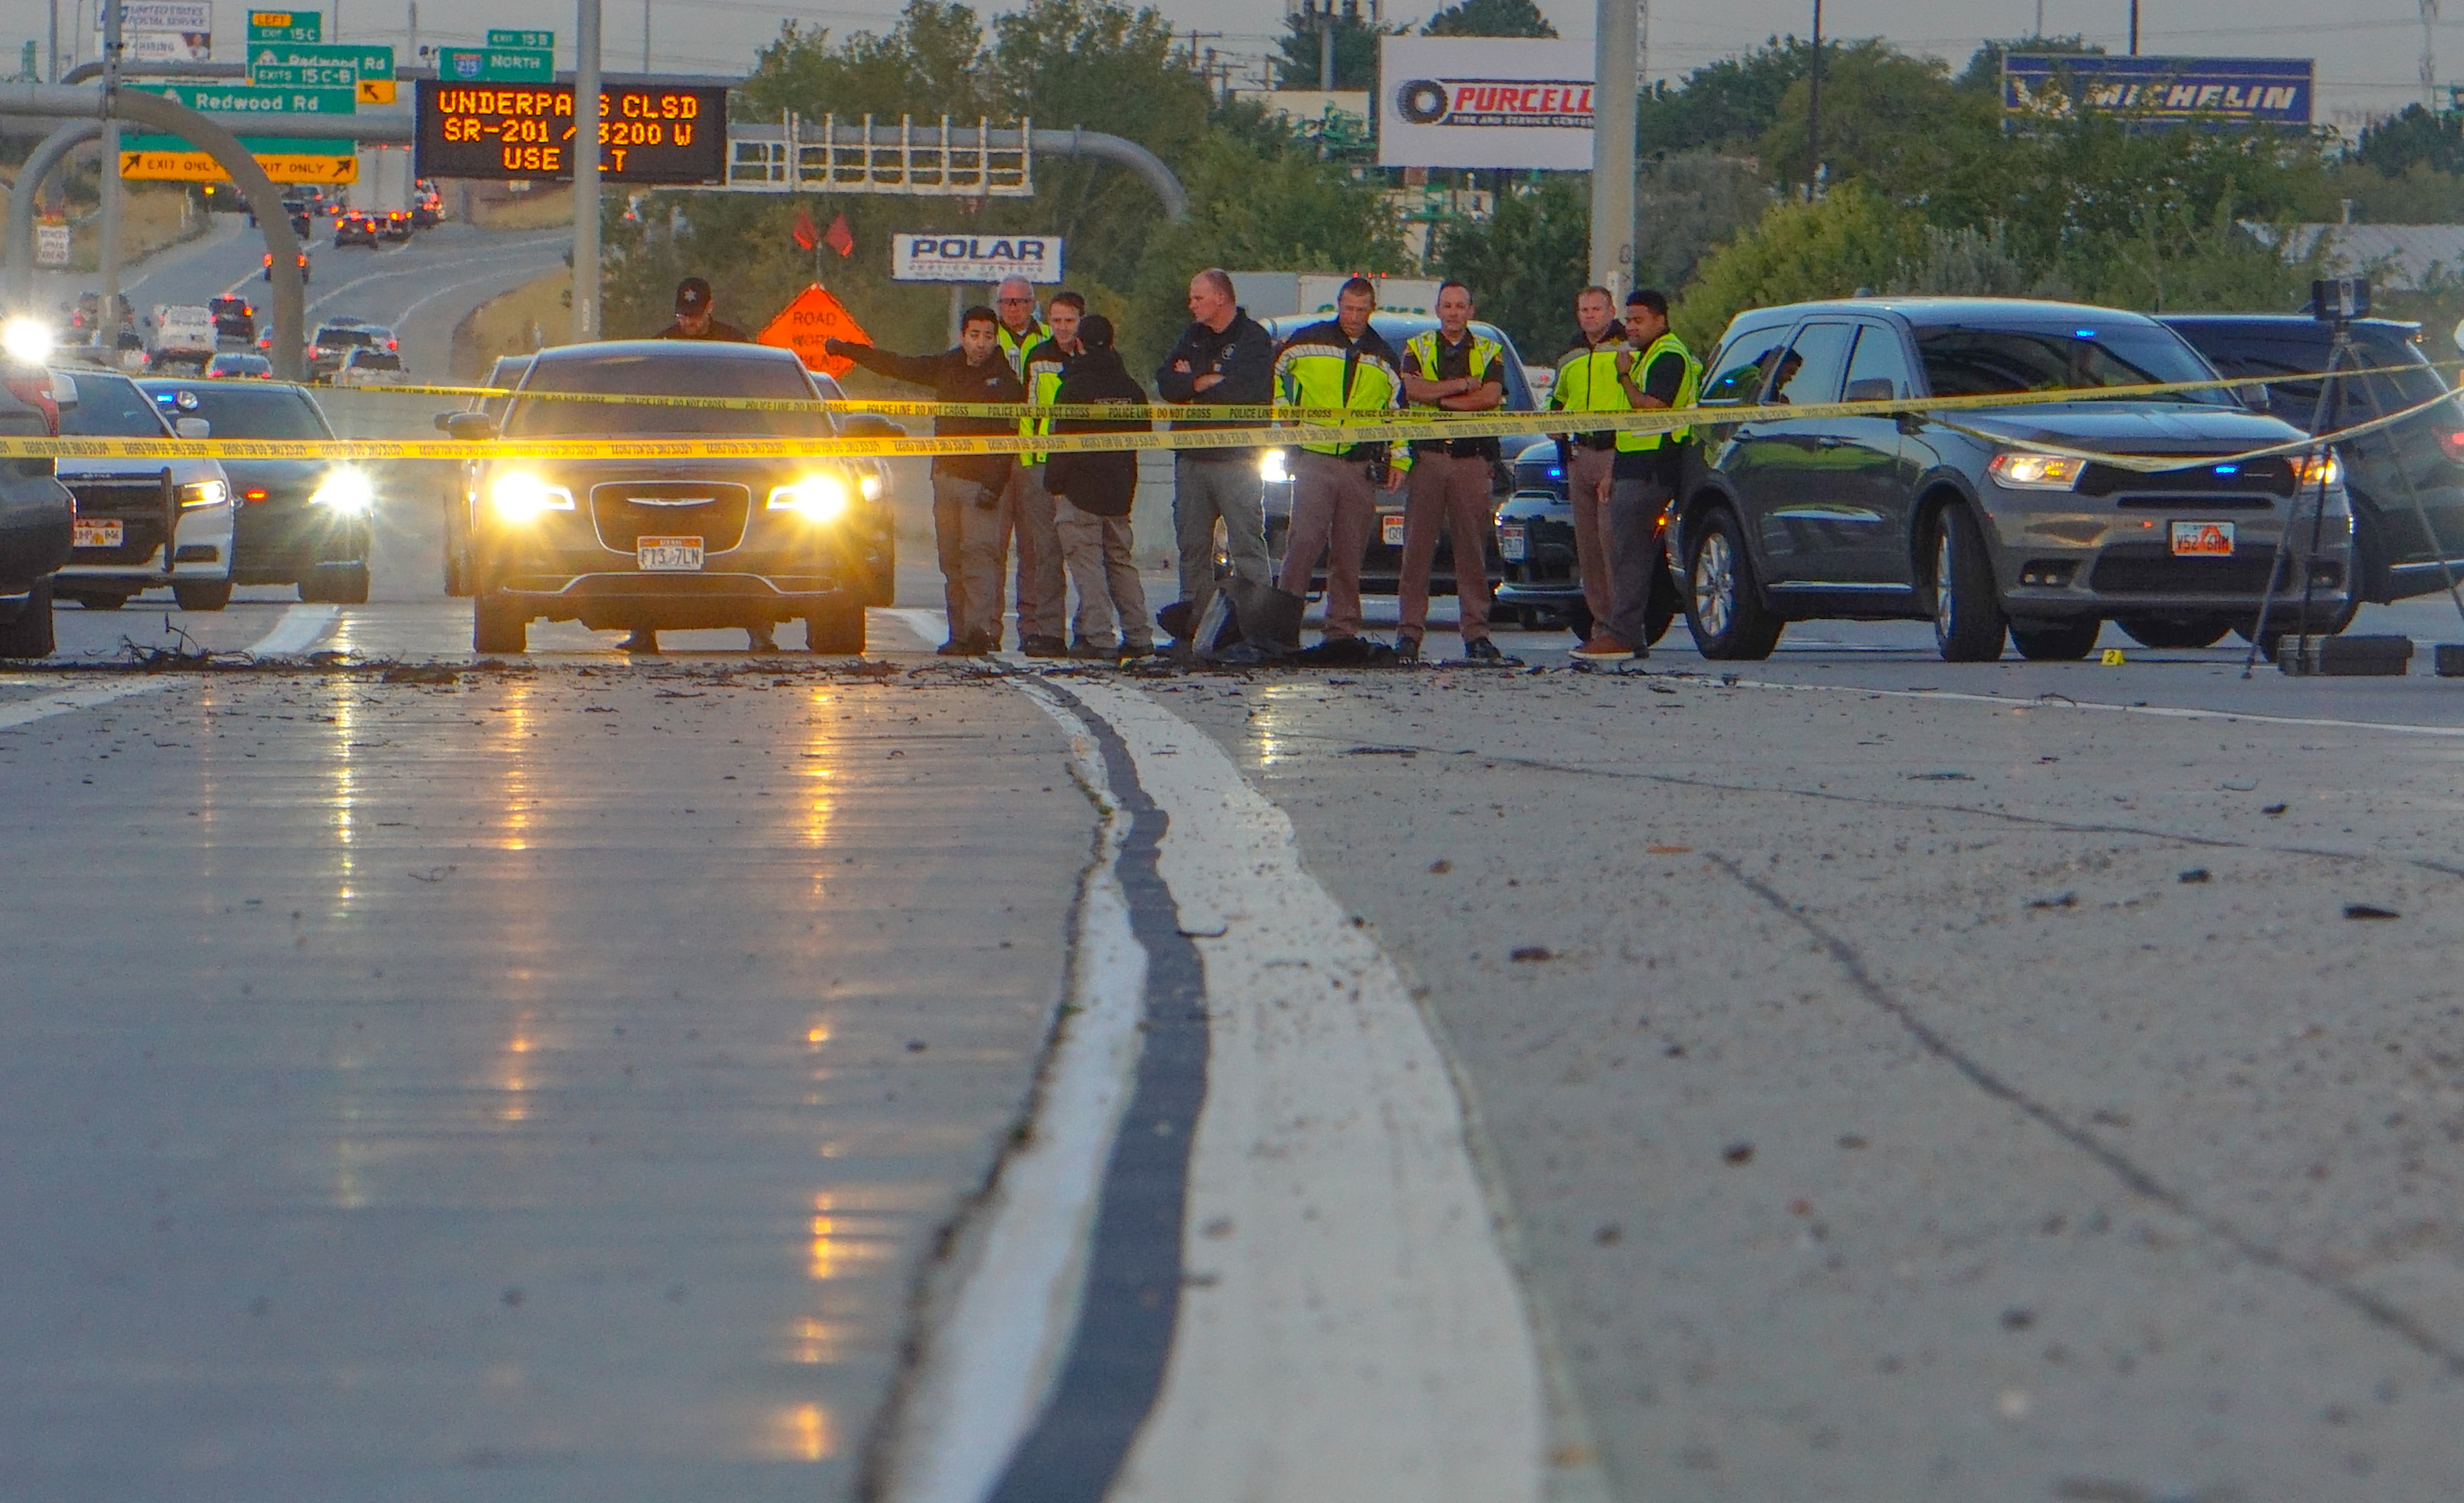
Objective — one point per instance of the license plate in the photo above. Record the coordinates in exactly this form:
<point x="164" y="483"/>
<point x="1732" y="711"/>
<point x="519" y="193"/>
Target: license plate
<point x="97" y="532"/>
<point x="1510" y="544"/>
<point x="668" y="555"/>
<point x="2203" y="540"/>
<point x="1390" y="526"/>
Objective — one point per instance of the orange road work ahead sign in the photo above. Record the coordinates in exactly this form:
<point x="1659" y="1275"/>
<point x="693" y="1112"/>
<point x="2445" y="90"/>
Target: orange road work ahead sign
<point x="813" y="317"/>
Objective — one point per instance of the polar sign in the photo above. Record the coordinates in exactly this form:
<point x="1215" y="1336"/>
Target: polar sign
<point x="1448" y="101"/>
<point x="973" y="257"/>
<point x="2161" y="91"/>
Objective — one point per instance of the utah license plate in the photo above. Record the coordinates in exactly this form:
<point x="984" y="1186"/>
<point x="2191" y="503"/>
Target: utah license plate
<point x="1389" y="529"/>
<point x="1510" y="544"/>
<point x="668" y="555"/>
<point x="2203" y="540"/>
<point x="96" y="532"/>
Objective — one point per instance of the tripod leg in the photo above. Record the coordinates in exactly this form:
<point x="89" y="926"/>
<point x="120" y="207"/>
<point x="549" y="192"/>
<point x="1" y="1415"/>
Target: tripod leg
<point x="2327" y="393"/>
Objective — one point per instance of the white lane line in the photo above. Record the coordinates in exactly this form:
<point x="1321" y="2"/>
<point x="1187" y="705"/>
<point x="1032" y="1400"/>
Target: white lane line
<point x="1350" y="1327"/>
<point x="396" y="274"/>
<point x="299" y="625"/>
<point x="2065" y="702"/>
<point x="296" y="631"/>
<point x="525" y="272"/>
<point x="932" y="628"/>
<point x="991" y="1360"/>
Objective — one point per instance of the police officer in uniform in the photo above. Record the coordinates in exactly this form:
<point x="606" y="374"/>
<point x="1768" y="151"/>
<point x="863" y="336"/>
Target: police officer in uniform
<point x="1450" y="368"/>
<point x="694" y="319"/>
<point x="1587" y="382"/>
<point x="1339" y="363"/>
<point x="1648" y="467"/>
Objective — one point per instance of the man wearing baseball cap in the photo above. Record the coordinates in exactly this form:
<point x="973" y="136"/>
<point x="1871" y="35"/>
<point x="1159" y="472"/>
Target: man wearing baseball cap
<point x="694" y="319"/>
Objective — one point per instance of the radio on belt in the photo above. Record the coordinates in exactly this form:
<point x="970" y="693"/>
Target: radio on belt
<point x="650" y="132"/>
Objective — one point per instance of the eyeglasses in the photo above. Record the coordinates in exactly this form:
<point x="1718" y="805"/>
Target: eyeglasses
<point x="1005" y="302"/>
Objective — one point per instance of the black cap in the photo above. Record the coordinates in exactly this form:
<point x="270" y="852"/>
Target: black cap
<point x="693" y="295"/>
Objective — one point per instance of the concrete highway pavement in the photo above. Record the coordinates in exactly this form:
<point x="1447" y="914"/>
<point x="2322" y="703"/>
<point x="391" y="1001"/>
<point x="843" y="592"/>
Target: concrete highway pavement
<point x="1868" y="1078"/>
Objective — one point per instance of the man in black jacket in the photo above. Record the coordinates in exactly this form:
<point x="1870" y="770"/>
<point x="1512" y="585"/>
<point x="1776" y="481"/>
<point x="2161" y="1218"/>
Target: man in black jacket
<point x="1094" y="491"/>
<point x="1224" y="358"/>
<point x="966" y="488"/>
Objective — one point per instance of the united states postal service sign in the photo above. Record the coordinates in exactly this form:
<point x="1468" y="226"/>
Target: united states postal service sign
<point x="973" y="257"/>
<point x="1483" y="101"/>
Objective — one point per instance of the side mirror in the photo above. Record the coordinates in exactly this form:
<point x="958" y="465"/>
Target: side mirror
<point x="466" y="427"/>
<point x="870" y="425"/>
<point x="2256" y="394"/>
<point x="1873" y="388"/>
<point x="192" y="426"/>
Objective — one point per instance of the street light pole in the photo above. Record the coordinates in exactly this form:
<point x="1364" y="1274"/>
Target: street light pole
<point x="1617" y="28"/>
<point x="2134" y="28"/>
<point x="107" y="256"/>
<point x="585" y="171"/>
<point x="1813" y="110"/>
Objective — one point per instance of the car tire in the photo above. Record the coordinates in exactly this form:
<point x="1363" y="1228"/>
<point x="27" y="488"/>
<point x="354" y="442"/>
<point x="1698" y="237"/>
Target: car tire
<point x="1968" y="624"/>
<point x="2174" y="633"/>
<point x="2055" y="641"/>
<point x="203" y="594"/>
<point x="1724" y="609"/>
<point x="30" y="635"/>
<point x="836" y="630"/>
<point x="498" y="625"/>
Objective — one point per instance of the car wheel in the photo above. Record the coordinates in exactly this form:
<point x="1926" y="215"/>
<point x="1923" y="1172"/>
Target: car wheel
<point x="2175" y="633"/>
<point x="1968" y="621"/>
<point x="1725" y="610"/>
<point x="498" y="625"/>
<point x="203" y="595"/>
<point x="2278" y="625"/>
<point x="836" y="629"/>
<point x="2055" y="641"/>
<point x="30" y="635"/>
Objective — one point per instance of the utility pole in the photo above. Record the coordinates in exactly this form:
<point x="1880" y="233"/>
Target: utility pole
<point x="2134" y="28"/>
<point x="54" y="76"/>
<point x="410" y="53"/>
<point x="2429" y="55"/>
<point x="1614" y="47"/>
<point x="1814" y="111"/>
<point x="585" y="170"/>
<point x="108" y="257"/>
<point x="645" y="35"/>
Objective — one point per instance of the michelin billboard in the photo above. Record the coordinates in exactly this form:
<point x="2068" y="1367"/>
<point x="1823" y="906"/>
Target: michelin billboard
<point x="2272" y="91"/>
<point x="1465" y="101"/>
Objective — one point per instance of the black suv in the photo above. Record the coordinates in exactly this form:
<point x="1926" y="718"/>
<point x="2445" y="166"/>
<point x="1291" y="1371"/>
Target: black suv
<point x="1946" y="516"/>
<point x="2392" y="556"/>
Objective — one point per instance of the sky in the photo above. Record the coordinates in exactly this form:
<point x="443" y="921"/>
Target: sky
<point x="2369" y="60"/>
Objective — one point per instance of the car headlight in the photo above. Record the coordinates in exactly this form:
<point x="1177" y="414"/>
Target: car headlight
<point x="819" y="496"/>
<point x="2024" y="472"/>
<point x="26" y="340"/>
<point x="2323" y="469"/>
<point x="519" y="495"/>
<point x="345" y="491"/>
<point x="1272" y="468"/>
<point x="205" y="493"/>
<point x="870" y="486"/>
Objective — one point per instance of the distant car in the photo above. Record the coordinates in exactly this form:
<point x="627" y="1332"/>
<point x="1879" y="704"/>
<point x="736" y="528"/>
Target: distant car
<point x="2423" y="455"/>
<point x="35" y="513"/>
<point x="370" y="367"/>
<point x="141" y="524"/>
<point x="428" y="207"/>
<point x="648" y="544"/>
<point x="336" y="339"/>
<point x="1381" y="567"/>
<point x="395" y="225"/>
<point x="231" y="366"/>
<point x="301" y="521"/>
<point x="304" y="268"/>
<point x="355" y="228"/>
<point x="234" y="318"/>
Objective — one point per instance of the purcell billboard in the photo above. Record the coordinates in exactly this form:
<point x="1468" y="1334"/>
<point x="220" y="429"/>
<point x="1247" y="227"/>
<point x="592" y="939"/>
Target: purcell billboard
<point x="1480" y="101"/>
<point x="2165" y="91"/>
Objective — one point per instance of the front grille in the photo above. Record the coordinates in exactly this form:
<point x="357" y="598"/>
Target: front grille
<point x="2267" y="476"/>
<point x="626" y="511"/>
<point x="138" y="504"/>
<point x="2150" y="568"/>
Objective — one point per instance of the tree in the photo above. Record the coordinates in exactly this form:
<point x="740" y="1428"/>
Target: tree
<point x="1982" y="73"/>
<point x="2415" y="136"/>
<point x="1687" y="202"/>
<point x="1730" y="102"/>
<point x="1884" y="114"/>
<point x="1829" y="248"/>
<point x="1527" y="261"/>
<point x="1489" y="18"/>
<point x="1356" y="50"/>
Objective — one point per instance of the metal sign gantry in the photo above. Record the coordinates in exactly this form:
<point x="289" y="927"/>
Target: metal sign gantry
<point x="804" y="156"/>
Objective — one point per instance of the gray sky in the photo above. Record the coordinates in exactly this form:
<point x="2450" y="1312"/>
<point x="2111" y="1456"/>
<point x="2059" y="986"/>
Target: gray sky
<point x="2369" y="60"/>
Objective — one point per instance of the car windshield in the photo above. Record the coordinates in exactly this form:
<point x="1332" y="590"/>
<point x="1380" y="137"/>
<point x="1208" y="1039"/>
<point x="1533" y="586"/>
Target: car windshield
<point x="1964" y="361"/>
<point x="339" y="339"/>
<point x="109" y="407"/>
<point x="684" y="372"/>
<point x="375" y="360"/>
<point x="241" y="411"/>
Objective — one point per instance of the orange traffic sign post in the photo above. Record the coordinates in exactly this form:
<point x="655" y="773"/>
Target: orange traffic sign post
<point x="815" y="316"/>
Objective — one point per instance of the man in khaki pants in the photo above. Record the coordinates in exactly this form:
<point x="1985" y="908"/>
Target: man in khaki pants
<point x="1451" y="370"/>
<point x="1339" y="365"/>
<point x="1587" y="382"/>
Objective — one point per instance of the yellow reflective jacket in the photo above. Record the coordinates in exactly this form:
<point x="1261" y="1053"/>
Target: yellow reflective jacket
<point x="1424" y="350"/>
<point x="1042" y="377"/>
<point x="1320" y="368"/>
<point x="1686" y="391"/>
<point x="1014" y="348"/>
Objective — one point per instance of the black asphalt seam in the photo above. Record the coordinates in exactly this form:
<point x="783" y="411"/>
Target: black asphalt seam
<point x="2134" y="1176"/>
<point x="1115" y="1368"/>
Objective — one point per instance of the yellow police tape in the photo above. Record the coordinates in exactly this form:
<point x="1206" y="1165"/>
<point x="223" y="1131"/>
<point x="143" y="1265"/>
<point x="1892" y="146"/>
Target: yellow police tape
<point x="770" y="447"/>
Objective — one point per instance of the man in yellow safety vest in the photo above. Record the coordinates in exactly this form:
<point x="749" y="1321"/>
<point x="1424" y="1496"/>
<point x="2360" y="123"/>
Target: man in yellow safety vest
<point x="1587" y="382"/>
<point x="1339" y="363"/>
<point x="1648" y="468"/>
<point x="1026" y="507"/>
<point x="1452" y="369"/>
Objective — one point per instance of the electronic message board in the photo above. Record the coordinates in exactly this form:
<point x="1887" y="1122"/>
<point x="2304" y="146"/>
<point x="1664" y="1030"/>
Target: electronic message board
<point x="648" y="132"/>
